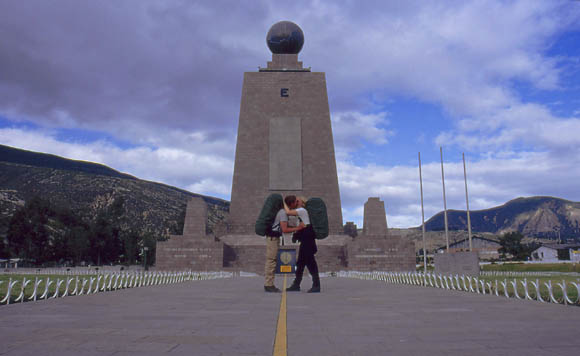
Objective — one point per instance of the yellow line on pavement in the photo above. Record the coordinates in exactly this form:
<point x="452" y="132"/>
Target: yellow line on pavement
<point x="280" y="343"/>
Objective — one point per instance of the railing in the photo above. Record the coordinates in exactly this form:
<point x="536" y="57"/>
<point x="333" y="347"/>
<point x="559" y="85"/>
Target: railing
<point x="103" y="282"/>
<point x="530" y="290"/>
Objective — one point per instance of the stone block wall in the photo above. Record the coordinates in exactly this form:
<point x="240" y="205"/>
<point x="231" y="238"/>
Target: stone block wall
<point x="185" y="253"/>
<point x="331" y="258"/>
<point x="194" y="250"/>
<point x="243" y="255"/>
<point x="379" y="253"/>
<point x="459" y="263"/>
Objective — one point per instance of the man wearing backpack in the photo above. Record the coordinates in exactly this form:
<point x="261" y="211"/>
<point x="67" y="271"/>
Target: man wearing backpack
<point x="273" y="235"/>
<point x="307" y="248"/>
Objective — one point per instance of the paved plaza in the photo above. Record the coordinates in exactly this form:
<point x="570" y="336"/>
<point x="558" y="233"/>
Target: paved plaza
<point x="235" y="317"/>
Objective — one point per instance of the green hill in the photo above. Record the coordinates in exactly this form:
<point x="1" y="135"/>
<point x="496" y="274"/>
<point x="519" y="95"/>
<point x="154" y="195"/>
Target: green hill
<point x="88" y="188"/>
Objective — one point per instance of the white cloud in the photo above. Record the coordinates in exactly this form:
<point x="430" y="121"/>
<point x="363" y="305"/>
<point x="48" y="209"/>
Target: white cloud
<point x="179" y="65"/>
<point x="530" y="124"/>
<point x="492" y="181"/>
<point x="352" y="129"/>
<point x="202" y="172"/>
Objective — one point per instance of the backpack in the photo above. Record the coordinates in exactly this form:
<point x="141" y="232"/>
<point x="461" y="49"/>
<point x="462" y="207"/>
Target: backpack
<point x="272" y="205"/>
<point x="318" y="217"/>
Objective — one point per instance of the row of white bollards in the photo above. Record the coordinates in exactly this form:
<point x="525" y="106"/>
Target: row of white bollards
<point x="100" y="283"/>
<point x="475" y="285"/>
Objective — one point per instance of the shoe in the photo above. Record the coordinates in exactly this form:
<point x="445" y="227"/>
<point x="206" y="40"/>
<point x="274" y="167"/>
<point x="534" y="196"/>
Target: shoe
<point x="293" y="288"/>
<point x="314" y="289"/>
<point x="272" y="289"/>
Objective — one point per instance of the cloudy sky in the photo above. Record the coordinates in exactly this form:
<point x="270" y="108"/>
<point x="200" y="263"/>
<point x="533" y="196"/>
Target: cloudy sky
<point x="152" y="88"/>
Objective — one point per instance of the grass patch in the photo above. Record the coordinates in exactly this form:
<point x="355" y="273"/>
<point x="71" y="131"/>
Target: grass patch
<point x="533" y="267"/>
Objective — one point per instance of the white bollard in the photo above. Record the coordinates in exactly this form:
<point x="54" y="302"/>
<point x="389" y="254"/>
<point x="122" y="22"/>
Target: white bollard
<point x="35" y="290"/>
<point x="76" y="290"/>
<point x="91" y="280"/>
<point x="464" y="285"/>
<point x="515" y="285"/>
<point x="526" y="292"/>
<point x="550" y="291"/>
<point x="11" y="285"/>
<point x="577" y="285"/>
<point x="505" y="290"/>
<point x="83" y="284"/>
<point x="68" y="281"/>
<point x="46" y="286"/>
<point x="58" y="284"/>
<point x="25" y="282"/>
<point x="565" y="298"/>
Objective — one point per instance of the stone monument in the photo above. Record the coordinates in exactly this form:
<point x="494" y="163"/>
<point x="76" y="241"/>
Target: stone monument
<point x="284" y="146"/>
<point x="284" y="135"/>
<point x="374" y="218"/>
<point x="376" y="249"/>
<point x="194" y="250"/>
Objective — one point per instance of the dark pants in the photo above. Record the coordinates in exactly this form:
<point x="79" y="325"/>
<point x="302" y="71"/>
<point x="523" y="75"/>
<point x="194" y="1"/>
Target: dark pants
<point x="306" y="258"/>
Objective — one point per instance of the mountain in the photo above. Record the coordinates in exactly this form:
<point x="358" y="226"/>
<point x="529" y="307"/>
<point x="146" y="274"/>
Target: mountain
<point x="87" y="188"/>
<point x="534" y="217"/>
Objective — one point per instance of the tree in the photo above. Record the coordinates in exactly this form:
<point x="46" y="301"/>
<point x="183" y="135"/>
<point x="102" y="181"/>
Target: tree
<point x="3" y="249"/>
<point x="130" y="241"/>
<point x="27" y="236"/>
<point x="105" y="237"/>
<point x="149" y="243"/>
<point x="78" y="243"/>
<point x="511" y="243"/>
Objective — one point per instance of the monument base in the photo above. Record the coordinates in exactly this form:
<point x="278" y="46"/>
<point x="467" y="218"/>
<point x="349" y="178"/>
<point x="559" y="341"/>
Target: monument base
<point x="381" y="253"/>
<point x="460" y="263"/>
<point x="186" y="253"/>
<point x="248" y="252"/>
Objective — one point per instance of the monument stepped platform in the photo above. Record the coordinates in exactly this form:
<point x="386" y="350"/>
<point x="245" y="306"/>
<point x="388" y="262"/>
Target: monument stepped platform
<point x="235" y="317"/>
<point x="246" y="252"/>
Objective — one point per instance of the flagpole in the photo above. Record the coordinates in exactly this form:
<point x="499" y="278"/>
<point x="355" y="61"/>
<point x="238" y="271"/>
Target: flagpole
<point x="444" y="201"/>
<point x="422" y="218"/>
<point x="467" y="203"/>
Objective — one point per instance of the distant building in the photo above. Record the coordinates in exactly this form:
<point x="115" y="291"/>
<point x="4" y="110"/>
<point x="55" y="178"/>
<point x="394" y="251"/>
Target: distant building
<point x="487" y="249"/>
<point x="557" y="252"/>
<point x="10" y="263"/>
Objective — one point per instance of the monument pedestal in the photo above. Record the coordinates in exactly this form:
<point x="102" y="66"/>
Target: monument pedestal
<point x="248" y="252"/>
<point x="460" y="263"/>
<point x="381" y="253"/>
<point x="186" y="253"/>
<point x="375" y="249"/>
<point x="194" y="250"/>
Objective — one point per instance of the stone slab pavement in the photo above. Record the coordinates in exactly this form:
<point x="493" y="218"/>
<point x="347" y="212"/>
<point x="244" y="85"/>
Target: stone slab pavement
<point x="235" y="317"/>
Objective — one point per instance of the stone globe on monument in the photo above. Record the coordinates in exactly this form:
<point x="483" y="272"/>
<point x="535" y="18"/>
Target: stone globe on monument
<point x="285" y="37"/>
